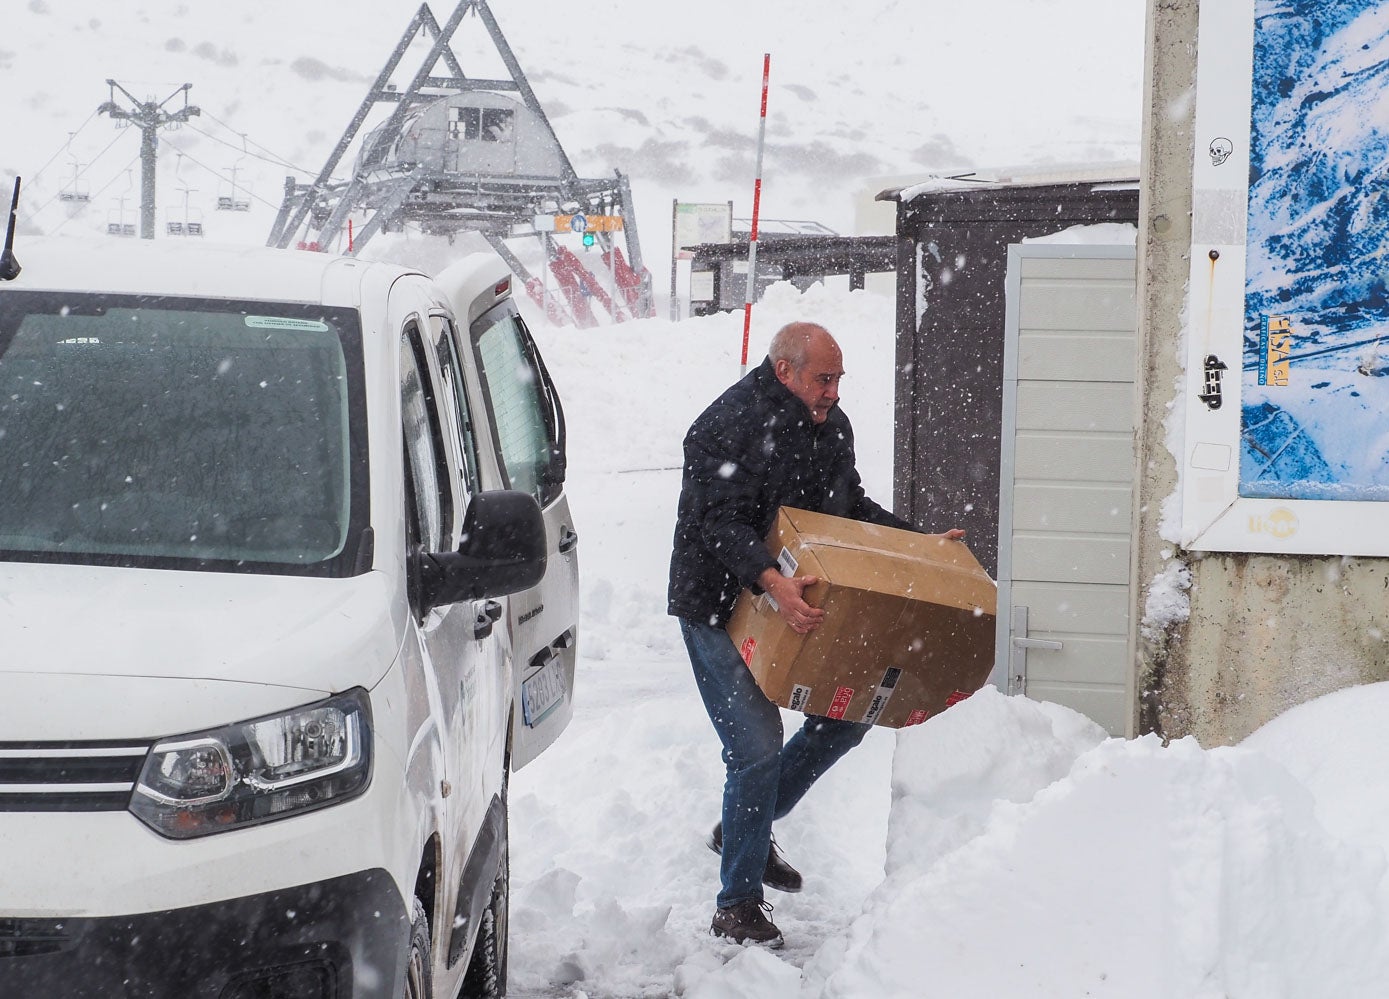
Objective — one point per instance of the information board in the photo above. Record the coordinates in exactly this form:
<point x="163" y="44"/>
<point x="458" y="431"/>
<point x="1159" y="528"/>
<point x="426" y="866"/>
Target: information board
<point x="1286" y="435"/>
<point x="701" y="223"/>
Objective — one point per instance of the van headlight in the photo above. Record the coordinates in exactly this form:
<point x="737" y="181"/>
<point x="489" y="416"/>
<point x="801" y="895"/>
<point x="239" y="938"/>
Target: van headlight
<point x="256" y="771"/>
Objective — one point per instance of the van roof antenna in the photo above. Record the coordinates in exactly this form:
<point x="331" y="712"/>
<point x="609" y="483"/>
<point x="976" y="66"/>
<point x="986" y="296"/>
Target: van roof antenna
<point x="9" y="266"/>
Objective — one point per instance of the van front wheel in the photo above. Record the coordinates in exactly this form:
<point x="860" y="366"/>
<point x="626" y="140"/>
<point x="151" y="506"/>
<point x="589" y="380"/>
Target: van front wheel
<point x="419" y="982"/>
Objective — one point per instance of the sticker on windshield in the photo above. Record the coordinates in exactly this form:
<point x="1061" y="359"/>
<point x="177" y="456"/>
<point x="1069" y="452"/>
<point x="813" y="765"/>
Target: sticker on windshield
<point x="282" y="323"/>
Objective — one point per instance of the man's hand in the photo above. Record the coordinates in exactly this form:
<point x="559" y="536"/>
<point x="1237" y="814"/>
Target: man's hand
<point x="789" y="594"/>
<point x="954" y="534"/>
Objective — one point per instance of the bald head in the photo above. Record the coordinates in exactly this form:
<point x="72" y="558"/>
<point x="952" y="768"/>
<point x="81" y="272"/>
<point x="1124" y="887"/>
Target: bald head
<point x="793" y="341"/>
<point x="808" y="362"/>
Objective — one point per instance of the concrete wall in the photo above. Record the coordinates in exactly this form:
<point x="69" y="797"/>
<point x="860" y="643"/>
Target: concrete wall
<point x="1265" y="632"/>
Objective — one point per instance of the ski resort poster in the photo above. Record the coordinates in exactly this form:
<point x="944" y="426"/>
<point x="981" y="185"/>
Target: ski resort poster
<point x="1287" y="429"/>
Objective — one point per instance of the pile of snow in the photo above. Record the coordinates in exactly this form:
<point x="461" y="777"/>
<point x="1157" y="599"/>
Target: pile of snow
<point x="1004" y="848"/>
<point x="613" y="885"/>
<point x="1028" y="855"/>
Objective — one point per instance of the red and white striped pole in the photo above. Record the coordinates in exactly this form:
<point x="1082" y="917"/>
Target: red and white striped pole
<point x="756" y="207"/>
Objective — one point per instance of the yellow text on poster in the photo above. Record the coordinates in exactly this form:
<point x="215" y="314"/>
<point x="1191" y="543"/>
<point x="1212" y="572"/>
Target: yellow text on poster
<point x="1275" y="346"/>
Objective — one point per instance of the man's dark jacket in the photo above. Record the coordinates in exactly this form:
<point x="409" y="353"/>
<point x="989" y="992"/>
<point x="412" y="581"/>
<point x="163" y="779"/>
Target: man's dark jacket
<point x="753" y="450"/>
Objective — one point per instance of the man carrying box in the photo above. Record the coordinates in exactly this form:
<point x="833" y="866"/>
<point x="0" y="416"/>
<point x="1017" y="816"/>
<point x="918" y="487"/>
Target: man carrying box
<point x="776" y="438"/>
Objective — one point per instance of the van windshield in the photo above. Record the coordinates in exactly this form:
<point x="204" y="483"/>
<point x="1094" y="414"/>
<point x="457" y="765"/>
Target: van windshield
<point x="181" y="433"/>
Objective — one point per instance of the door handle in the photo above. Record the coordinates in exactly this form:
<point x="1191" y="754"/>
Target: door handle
<point x="1038" y="643"/>
<point x="542" y="658"/>
<point x="487" y="615"/>
<point x="568" y="539"/>
<point x="1019" y="643"/>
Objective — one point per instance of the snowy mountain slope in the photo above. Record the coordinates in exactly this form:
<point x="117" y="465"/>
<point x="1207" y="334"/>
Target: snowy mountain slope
<point x="667" y="94"/>
<point x="1320" y="167"/>
<point x="1318" y="250"/>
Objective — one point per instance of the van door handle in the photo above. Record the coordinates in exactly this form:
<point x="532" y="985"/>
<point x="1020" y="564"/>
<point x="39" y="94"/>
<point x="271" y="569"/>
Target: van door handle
<point x="568" y="539"/>
<point x="487" y="616"/>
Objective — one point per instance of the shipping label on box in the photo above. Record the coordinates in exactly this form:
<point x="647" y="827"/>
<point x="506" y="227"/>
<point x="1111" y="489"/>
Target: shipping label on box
<point x="908" y="629"/>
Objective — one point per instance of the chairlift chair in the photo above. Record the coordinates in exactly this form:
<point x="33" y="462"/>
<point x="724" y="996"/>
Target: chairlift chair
<point x="227" y="200"/>
<point x="76" y="190"/>
<point x="120" y="227"/>
<point x="231" y="203"/>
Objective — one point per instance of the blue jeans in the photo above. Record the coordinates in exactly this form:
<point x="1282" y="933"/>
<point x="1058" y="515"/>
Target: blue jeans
<point x="765" y="779"/>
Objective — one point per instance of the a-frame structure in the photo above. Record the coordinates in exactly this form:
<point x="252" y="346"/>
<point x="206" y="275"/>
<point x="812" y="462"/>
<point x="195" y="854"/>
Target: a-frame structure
<point x="459" y="153"/>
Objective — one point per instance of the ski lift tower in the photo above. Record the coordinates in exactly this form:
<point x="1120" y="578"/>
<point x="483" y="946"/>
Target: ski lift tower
<point x="468" y="154"/>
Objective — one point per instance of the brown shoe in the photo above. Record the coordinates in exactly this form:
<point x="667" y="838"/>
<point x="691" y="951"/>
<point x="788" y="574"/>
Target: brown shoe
<point x="746" y="922"/>
<point x="777" y="874"/>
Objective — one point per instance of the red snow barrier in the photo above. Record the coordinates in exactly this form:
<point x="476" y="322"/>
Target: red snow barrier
<point x="629" y="283"/>
<point x="577" y="285"/>
<point x="554" y="309"/>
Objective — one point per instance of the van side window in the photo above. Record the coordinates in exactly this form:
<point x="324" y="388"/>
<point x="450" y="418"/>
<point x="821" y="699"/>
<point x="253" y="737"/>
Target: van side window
<point x="424" y="446"/>
<point x="524" y="406"/>
<point x="455" y="393"/>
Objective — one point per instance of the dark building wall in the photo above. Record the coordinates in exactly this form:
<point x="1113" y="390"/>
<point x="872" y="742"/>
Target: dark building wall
<point x="952" y="256"/>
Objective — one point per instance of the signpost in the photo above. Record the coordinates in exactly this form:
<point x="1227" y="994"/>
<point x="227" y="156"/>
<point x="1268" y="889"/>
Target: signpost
<point x="578" y="223"/>
<point x="692" y="224"/>
<point x="587" y="226"/>
<point x="756" y="205"/>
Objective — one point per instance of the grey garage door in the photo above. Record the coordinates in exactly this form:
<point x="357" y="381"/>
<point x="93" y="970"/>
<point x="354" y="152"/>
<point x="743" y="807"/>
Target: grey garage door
<point x="1066" y="479"/>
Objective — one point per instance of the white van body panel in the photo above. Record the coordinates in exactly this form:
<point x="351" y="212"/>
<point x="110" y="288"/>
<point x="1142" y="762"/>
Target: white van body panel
<point x="151" y="874"/>
<point x="318" y="635"/>
<point x="55" y="880"/>
<point x="543" y="618"/>
<point x="215" y="270"/>
<point x="107" y="654"/>
<point x="89" y="707"/>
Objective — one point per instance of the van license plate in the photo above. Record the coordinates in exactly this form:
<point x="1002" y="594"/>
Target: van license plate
<point x="542" y="692"/>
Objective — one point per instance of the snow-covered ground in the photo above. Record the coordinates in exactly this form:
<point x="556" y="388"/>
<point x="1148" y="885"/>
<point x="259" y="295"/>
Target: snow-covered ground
<point x="1003" y="849"/>
<point x="1006" y="848"/>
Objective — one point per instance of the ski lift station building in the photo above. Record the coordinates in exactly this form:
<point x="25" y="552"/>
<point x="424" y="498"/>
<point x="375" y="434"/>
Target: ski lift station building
<point x="458" y="154"/>
<point x="478" y="132"/>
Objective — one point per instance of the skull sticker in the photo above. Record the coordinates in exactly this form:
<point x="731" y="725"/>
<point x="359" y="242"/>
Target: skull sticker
<point x="1220" y="150"/>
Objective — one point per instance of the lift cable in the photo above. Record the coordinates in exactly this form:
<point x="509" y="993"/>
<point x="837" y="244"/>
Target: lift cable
<point x="124" y="171"/>
<point x="239" y="150"/>
<point x="32" y="214"/>
<point x="216" y="173"/>
<point x="270" y="157"/>
<point x="61" y="149"/>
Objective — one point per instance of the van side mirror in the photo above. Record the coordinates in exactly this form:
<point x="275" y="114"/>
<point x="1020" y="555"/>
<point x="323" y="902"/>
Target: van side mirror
<point x="503" y="551"/>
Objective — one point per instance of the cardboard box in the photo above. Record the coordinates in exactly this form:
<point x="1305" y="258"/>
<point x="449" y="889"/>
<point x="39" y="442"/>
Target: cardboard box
<point x="908" y="629"/>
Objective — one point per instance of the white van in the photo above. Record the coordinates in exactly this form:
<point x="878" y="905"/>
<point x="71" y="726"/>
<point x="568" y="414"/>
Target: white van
<point x="273" y="627"/>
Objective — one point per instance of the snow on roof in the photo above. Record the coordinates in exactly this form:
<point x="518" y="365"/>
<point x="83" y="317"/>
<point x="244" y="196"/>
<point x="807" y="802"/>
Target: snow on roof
<point x="1108" y="176"/>
<point x="180" y="267"/>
